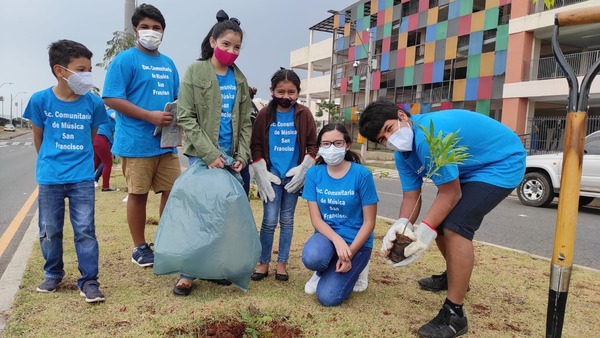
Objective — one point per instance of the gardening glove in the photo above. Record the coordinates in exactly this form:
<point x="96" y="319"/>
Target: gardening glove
<point x="397" y="228"/>
<point x="263" y="180"/>
<point x="423" y="236"/>
<point x="298" y="173"/>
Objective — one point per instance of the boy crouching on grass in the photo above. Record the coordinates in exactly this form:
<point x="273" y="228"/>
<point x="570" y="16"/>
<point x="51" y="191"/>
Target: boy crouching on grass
<point x="65" y="118"/>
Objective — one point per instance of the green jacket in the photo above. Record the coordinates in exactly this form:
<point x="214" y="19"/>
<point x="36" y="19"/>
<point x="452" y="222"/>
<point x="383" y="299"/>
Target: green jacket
<point x="199" y="113"/>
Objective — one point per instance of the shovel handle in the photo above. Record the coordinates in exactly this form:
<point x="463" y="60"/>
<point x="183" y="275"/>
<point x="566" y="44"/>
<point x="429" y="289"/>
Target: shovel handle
<point x="580" y="16"/>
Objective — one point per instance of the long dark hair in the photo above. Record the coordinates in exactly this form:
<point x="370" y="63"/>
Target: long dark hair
<point x="350" y="155"/>
<point x="279" y="76"/>
<point x="223" y="24"/>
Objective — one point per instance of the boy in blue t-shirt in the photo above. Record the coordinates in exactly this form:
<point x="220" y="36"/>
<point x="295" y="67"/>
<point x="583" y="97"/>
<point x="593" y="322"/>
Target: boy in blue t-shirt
<point x="139" y="83"/>
<point x="467" y="192"/>
<point x="65" y="119"/>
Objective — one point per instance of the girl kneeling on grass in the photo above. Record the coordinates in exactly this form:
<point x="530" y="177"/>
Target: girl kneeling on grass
<point x="342" y="202"/>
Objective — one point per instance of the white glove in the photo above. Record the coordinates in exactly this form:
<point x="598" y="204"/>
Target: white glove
<point x="263" y="180"/>
<point x="423" y="236"/>
<point x="299" y="174"/>
<point x="401" y="226"/>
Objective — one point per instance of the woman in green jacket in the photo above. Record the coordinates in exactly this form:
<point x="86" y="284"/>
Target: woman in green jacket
<point x="214" y="108"/>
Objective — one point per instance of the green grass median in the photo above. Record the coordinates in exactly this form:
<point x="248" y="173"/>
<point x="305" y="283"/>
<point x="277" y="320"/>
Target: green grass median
<point x="508" y="296"/>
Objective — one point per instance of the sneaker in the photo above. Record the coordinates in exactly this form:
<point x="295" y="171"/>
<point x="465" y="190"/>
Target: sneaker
<point x="143" y="255"/>
<point x="436" y="283"/>
<point x="109" y="189"/>
<point x="446" y="324"/>
<point x="311" y="286"/>
<point x="91" y="292"/>
<point x="95" y="184"/>
<point x="363" y="280"/>
<point x="48" y="285"/>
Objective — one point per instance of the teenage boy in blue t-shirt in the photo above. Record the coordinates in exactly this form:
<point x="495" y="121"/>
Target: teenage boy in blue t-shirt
<point x="466" y="193"/>
<point x="139" y="82"/>
<point x="65" y="119"/>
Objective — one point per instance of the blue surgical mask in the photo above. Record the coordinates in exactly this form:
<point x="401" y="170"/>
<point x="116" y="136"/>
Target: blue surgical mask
<point x="402" y="139"/>
<point x="80" y="83"/>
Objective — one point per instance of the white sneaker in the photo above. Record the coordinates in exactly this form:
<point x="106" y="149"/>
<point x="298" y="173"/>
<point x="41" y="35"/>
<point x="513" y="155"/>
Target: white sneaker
<point x="363" y="280"/>
<point x="95" y="184"/>
<point x="311" y="286"/>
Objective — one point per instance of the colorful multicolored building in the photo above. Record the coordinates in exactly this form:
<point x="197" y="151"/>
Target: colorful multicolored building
<point x="489" y="56"/>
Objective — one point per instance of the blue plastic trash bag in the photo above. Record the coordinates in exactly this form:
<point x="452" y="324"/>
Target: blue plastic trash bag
<point x="207" y="229"/>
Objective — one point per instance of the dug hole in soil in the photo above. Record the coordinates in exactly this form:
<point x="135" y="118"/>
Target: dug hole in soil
<point x="232" y="328"/>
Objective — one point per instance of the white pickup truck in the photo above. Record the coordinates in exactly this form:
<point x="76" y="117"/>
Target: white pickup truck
<point x="543" y="172"/>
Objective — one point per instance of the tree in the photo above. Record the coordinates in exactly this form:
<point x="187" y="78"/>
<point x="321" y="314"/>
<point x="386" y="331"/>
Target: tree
<point x="331" y="108"/>
<point x="548" y="3"/>
<point x="120" y="41"/>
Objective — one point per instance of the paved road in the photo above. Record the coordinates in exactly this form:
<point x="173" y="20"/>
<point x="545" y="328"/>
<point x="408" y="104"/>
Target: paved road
<point x="17" y="181"/>
<point x="512" y="224"/>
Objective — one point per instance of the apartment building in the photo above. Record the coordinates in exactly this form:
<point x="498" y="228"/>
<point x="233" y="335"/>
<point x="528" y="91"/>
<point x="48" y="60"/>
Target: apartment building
<point x="489" y="56"/>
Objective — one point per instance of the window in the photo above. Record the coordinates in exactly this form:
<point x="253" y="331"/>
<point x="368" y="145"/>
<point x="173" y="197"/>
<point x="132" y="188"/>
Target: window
<point x="410" y="8"/>
<point x="442" y="13"/>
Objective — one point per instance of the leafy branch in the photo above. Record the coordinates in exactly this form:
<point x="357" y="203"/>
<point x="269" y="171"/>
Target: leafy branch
<point x="329" y="107"/>
<point x="444" y="150"/>
<point x="120" y="41"/>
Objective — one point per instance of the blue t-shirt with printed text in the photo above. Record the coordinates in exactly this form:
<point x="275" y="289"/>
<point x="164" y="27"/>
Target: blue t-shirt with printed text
<point x="341" y="200"/>
<point x="283" y="148"/>
<point x="148" y="81"/>
<point x="228" y="89"/>
<point x="497" y="155"/>
<point x="66" y="154"/>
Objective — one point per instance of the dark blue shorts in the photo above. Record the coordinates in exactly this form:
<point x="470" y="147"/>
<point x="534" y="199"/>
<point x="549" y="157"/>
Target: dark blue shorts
<point x="477" y="200"/>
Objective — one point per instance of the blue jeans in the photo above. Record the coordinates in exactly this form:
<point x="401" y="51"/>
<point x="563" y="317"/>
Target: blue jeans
<point x="51" y="202"/>
<point x="281" y="209"/>
<point x="319" y="255"/>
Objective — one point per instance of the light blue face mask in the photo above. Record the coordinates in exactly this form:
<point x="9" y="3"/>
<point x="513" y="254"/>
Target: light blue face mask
<point x="80" y="83"/>
<point x="402" y="139"/>
<point x="332" y="155"/>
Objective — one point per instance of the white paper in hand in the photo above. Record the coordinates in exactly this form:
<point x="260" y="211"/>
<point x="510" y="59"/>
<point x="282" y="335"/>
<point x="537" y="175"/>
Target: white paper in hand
<point x="171" y="135"/>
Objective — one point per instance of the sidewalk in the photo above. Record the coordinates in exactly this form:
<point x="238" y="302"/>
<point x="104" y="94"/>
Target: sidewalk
<point x="9" y="135"/>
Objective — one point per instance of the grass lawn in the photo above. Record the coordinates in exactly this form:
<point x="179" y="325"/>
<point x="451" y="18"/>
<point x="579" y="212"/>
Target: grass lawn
<point x="508" y="297"/>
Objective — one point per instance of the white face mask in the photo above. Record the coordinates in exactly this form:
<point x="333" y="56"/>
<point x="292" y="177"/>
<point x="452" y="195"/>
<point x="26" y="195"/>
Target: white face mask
<point x="149" y="39"/>
<point x="80" y="83"/>
<point x="401" y="139"/>
<point x="332" y="155"/>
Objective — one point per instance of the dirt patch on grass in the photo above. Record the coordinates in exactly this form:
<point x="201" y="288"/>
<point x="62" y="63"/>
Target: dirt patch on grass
<point x="233" y="328"/>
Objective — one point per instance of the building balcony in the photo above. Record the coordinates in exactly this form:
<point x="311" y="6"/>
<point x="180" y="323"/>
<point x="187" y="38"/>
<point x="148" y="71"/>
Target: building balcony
<point x="319" y="54"/>
<point x="317" y="87"/>
<point x="540" y="5"/>
<point x="547" y="67"/>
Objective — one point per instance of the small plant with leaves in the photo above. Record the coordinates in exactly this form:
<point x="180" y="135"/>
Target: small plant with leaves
<point x="444" y="150"/>
<point x="254" y="322"/>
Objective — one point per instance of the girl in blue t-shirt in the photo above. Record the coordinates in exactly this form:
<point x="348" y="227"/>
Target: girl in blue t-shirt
<point x="284" y="146"/>
<point x="342" y="202"/>
<point x="214" y="110"/>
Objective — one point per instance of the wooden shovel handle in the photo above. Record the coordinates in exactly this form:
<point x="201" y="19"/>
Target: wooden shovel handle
<point x="578" y="16"/>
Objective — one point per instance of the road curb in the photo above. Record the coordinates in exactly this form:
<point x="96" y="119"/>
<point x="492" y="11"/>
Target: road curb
<point x="11" y="279"/>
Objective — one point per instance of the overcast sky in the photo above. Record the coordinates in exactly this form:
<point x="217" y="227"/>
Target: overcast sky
<point x="272" y="28"/>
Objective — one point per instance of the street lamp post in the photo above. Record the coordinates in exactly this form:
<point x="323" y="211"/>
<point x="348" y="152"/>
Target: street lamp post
<point x="12" y="97"/>
<point x="2" y="97"/>
<point x="363" y="147"/>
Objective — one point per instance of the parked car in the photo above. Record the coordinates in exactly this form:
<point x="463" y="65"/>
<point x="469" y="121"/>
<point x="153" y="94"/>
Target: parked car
<point x="543" y="173"/>
<point x="9" y="127"/>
